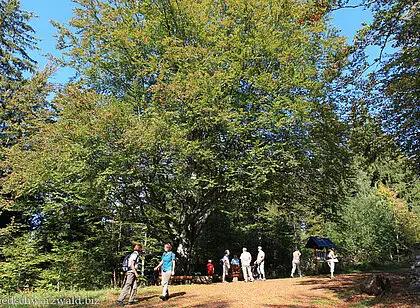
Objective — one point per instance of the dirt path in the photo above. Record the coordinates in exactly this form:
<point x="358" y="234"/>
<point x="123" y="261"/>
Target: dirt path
<point x="299" y="292"/>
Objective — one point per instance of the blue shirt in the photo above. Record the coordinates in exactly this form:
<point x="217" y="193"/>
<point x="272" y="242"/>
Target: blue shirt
<point x="235" y="261"/>
<point x="167" y="259"/>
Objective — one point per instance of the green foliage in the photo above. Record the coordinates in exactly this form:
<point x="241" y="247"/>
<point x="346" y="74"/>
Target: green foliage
<point x="15" y="42"/>
<point x="376" y="224"/>
<point x="23" y="108"/>
<point x="207" y="124"/>
<point x="25" y="264"/>
<point x="392" y="86"/>
<point x="182" y="110"/>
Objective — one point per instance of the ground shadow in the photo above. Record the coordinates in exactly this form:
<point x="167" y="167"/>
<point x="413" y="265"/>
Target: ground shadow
<point x="221" y="304"/>
<point x="142" y="299"/>
<point x="155" y="301"/>
<point x="347" y="288"/>
<point x="282" y="306"/>
<point x="177" y="294"/>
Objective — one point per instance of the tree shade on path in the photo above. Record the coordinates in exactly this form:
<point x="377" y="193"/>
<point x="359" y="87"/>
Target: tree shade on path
<point x="316" y="291"/>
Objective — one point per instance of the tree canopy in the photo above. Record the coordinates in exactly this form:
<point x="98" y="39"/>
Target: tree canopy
<point x="208" y="124"/>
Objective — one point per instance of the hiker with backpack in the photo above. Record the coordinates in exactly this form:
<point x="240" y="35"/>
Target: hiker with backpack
<point x="130" y="265"/>
<point x="167" y="265"/>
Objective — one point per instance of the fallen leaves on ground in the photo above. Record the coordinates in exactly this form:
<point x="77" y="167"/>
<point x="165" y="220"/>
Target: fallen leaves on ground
<point x="313" y="291"/>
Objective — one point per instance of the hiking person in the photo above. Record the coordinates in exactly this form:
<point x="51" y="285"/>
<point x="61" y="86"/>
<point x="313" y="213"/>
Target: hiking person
<point x="260" y="263"/>
<point x="246" y="259"/>
<point x="225" y="265"/>
<point x="331" y="259"/>
<point x="296" y="263"/>
<point x="167" y="266"/>
<point x="210" y="268"/>
<point x="130" y="265"/>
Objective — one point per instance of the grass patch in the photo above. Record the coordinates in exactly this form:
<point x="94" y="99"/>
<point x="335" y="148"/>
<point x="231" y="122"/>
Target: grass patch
<point x="46" y="298"/>
<point x="388" y="267"/>
<point x="68" y="298"/>
<point x="322" y="302"/>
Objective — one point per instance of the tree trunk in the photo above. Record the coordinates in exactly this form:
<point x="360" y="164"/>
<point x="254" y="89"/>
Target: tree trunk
<point x="115" y="278"/>
<point x="186" y="241"/>
<point x="142" y="259"/>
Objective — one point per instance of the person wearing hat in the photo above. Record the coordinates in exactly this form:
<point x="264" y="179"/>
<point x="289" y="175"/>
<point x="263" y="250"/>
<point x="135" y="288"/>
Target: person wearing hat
<point x="210" y="268"/>
<point x="246" y="259"/>
<point x="260" y="263"/>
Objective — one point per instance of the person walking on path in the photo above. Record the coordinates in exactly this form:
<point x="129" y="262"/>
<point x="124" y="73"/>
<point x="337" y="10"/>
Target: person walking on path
<point x="260" y="263"/>
<point x="130" y="285"/>
<point x="296" y="263"/>
<point x="246" y="259"/>
<point x="226" y="265"/>
<point x="331" y="259"/>
<point x="167" y="265"/>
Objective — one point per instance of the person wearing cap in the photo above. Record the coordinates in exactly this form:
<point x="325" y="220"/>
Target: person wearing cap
<point x="130" y="285"/>
<point x="296" y="263"/>
<point x="225" y="265"/>
<point x="246" y="259"/>
<point x="210" y="268"/>
<point x="260" y="263"/>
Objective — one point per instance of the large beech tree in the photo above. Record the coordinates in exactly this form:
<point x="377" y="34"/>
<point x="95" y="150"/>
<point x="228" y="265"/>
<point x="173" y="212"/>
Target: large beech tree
<point x="181" y="108"/>
<point x="244" y="83"/>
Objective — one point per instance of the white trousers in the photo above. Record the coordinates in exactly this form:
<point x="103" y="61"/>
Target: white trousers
<point x="166" y="276"/>
<point x="331" y="264"/>
<point x="260" y="270"/>
<point x="225" y="272"/>
<point x="246" y="269"/>
<point x="294" y="266"/>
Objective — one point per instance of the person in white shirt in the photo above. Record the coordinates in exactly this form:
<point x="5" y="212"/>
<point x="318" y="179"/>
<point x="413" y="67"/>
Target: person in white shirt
<point x="331" y="259"/>
<point x="260" y="263"/>
<point x="296" y="263"/>
<point x="246" y="259"/>
<point x="226" y="265"/>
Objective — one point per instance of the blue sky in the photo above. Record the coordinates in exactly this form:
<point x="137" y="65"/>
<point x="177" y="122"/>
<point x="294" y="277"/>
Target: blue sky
<point x="47" y="10"/>
<point x="346" y="20"/>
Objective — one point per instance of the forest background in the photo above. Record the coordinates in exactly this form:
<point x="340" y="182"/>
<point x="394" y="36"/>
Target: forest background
<point x="209" y="124"/>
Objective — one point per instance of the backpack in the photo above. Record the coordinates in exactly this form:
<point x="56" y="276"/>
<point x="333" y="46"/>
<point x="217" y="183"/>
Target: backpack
<point x="125" y="263"/>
